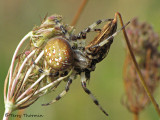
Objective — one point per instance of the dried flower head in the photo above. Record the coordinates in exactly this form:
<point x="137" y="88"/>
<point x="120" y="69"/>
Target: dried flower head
<point x="145" y="46"/>
<point x="25" y="83"/>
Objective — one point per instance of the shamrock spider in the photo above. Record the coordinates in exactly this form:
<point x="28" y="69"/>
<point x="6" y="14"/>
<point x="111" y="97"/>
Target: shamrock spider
<point x="65" y="52"/>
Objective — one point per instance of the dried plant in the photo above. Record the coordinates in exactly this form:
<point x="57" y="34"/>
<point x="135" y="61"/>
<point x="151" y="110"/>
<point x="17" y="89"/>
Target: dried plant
<point x="145" y="46"/>
<point x="55" y="54"/>
<point x="36" y="71"/>
<point x="25" y="83"/>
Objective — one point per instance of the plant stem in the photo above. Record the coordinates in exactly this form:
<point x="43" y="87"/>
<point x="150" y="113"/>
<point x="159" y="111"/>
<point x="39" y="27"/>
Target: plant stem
<point x="7" y="113"/>
<point x="138" y="69"/>
<point x="81" y="8"/>
<point x="135" y="116"/>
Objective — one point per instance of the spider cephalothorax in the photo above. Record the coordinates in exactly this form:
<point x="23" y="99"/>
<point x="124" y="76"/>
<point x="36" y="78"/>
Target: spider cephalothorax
<point x="67" y="55"/>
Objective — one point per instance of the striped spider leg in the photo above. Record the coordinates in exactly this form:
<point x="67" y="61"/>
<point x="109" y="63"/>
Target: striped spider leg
<point x="84" y="86"/>
<point x="82" y="58"/>
<point x="96" y="51"/>
<point x="58" y="57"/>
<point x="69" y="81"/>
<point x="81" y="35"/>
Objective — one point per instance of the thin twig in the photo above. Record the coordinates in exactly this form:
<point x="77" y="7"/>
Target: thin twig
<point x="81" y="8"/>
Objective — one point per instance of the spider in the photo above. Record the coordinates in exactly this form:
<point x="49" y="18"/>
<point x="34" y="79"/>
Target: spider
<point x="65" y="52"/>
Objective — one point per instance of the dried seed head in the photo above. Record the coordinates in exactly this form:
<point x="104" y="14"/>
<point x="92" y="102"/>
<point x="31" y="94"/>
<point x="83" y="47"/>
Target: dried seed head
<point x="47" y="30"/>
<point x="145" y="46"/>
<point x="29" y="77"/>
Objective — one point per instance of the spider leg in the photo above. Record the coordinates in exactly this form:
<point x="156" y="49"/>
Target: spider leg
<point x="64" y="31"/>
<point x="110" y="37"/>
<point x="82" y="34"/>
<point x="41" y="71"/>
<point x="83" y="82"/>
<point x="97" y="30"/>
<point x="61" y="94"/>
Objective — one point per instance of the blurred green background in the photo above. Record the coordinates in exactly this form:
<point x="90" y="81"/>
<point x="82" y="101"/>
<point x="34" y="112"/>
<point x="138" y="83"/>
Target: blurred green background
<point x="18" y="17"/>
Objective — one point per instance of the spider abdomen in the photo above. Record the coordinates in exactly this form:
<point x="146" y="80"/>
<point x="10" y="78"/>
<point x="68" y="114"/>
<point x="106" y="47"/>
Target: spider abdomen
<point x="58" y="53"/>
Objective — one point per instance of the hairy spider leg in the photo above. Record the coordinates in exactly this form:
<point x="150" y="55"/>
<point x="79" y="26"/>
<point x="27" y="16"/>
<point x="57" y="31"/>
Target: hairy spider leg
<point x="64" y="31"/>
<point x="40" y="70"/>
<point x="61" y="94"/>
<point x="110" y="37"/>
<point x="83" y="82"/>
<point x="82" y="34"/>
